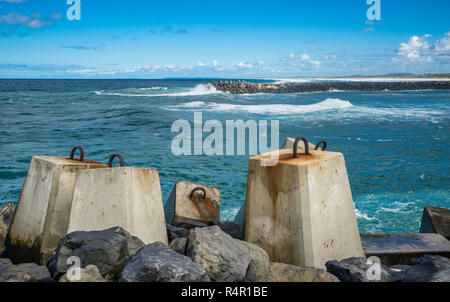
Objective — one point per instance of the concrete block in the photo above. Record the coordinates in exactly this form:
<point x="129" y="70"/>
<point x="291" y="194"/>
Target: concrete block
<point x="436" y="220"/>
<point x="404" y="249"/>
<point x="195" y="202"/>
<point x="301" y="211"/>
<point x="43" y="210"/>
<point x="124" y="196"/>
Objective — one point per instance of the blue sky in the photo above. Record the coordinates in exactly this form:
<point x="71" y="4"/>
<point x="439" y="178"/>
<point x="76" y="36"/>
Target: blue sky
<point x="154" y="39"/>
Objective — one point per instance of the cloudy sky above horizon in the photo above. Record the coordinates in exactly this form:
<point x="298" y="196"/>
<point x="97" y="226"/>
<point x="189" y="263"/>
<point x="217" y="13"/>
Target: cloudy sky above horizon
<point x="239" y="39"/>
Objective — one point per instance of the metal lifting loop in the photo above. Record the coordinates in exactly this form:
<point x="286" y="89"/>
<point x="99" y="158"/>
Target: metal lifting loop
<point x="72" y="154"/>
<point x="320" y="143"/>
<point x="305" y="141"/>
<point x="198" y="189"/>
<point x="111" y="159"/>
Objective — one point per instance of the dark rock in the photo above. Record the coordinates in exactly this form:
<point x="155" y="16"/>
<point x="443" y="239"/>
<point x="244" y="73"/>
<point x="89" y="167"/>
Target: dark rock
<point x="109" y="250"/>
<point x="436" y="220"/>
<point x="5" y="264"/>
<point x="355" y="270"/>
<point x="398" y="272"/>
<point x="223" y="257"/>
<point x="241" y="87"/>
<point x="179" y="245"/>
<point x="174" y="232"/>
<point x="27" y="272"/>
<point x="190" y="224"/>
<point x="40" y="273"/>
<point x="14" y="274"/>
<point x="6" y="216"/>
<point x="279" y="272"/>
<point x="158" y="263"/>
<point x="430" y="268"/>
<point x="231" y="228"/>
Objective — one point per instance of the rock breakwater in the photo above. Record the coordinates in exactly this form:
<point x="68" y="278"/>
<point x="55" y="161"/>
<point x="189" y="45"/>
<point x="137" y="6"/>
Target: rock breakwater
<point x="243" y="87"/>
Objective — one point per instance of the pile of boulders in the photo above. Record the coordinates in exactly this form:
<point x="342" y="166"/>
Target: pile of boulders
<point x="244" y="87"/>
<point x="196" y="252"/>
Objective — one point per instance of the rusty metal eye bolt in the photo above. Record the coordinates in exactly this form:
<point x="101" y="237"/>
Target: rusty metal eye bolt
<point x="111" y="159"/>
<point x="305" y="141"/>
<point x="196" y="190"/>
<point x="320" y="143"/>
<point x="72" y="153"/>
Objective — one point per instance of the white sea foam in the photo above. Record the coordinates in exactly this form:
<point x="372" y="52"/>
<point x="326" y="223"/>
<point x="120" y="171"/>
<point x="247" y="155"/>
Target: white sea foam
<point x="200" y="89"/>
<point x="328" y="104"/>
<point x="153" y="88"/>
<point x="363" y="216"/>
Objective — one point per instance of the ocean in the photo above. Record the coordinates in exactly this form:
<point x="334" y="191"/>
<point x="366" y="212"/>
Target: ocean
<point x="396" y="144"/>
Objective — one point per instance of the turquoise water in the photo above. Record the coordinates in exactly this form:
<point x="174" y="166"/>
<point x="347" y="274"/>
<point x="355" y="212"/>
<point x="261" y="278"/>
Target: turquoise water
<point x="396" y="144"/>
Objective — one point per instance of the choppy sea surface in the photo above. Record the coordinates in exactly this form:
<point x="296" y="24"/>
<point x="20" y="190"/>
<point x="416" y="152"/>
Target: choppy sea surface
<point x="396" y="144"/>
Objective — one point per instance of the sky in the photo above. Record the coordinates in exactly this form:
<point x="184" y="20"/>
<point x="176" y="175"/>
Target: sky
<point x="222" y="39"/>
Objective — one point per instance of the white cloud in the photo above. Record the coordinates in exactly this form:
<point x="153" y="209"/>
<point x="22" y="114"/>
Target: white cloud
<point x="244" y="64"/>
<point x="417" y="49"/>
<point x="305" y="57"/>
<point x="32" y="21"/>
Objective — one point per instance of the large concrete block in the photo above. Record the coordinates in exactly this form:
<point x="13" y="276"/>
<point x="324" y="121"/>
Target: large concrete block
<point x="436" y="220"/>
<point x="43" y="210"/>
<point x="301" y="211"/>
<point x="195" y="202"/>
<point x="123" y="196"/>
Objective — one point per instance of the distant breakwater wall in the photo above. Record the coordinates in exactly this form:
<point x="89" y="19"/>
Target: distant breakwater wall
<point x="241" y="87"/>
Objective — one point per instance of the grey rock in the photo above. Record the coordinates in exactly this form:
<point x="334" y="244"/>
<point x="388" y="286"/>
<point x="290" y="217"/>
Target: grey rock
<point x="179" y="245"/>
<point x="231" y="228"/>
<point x="190" y="224"/>
<point x="14" y="274"/>
<point x="158" y="263"/>
<point x="398" y="272"/>
<point x="25" y="272"/>
<point x="223" y="257"/>
<point x="109" y="250"/>
<point x="279" y="272"/>
<point x="174" y="232"/>
<point x="355" y="270"/>
<point x="6" y="216"/>
<point x="88" y="274"/>
<point x="40" y="273"/>
<point x="5" y="264"/>
<point x="430" y="268"/>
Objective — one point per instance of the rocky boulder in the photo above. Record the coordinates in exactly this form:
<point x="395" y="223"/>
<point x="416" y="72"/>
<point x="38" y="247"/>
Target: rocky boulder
<point x="223" y="257"/>
<point x="88" y="274"/>
<point x="27" y="272"/>
<point x="278" y="272"/>
<point x="231" y="228"/>
<point x="109" y="250"/>
<point x="174" y="232"/>
<point x="158" y="263"/>
<point x="430" y="268"/>
<point x="6" y="216"/>
<point x="179" y="245"/>
<point x="357" y="269"/>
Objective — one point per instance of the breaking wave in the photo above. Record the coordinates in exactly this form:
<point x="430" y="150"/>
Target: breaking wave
<point x="200" y="89"/>
<point x="328" y="104"/>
